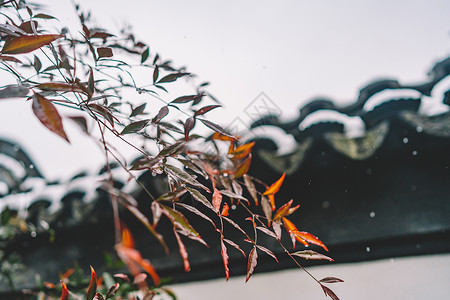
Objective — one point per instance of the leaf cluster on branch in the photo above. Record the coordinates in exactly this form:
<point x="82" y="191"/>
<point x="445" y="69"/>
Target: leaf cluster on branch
<point x="92" y="72"/>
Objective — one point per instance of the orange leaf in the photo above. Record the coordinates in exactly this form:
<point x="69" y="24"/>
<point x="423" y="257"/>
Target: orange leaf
<point x="65" y="292"/>
<point x="274" y="188"/>
<point x="127" y="238"/>
<point x="292" y="229"/>
<point x="92" y="290"/>
<point x="272" y="201"/>
<point x="221" y="137"/>
<point x="133" y="259"/>
<point x="28" y="43"/>
<point x="243" y="167"/>
<point x="46" y="112"/>
<point x="308" y="237"/>
<point x="225" y="210"/>
<point x="61" y="87"/>
<point x="241" y="151"/>
<point x="285" y="210"/>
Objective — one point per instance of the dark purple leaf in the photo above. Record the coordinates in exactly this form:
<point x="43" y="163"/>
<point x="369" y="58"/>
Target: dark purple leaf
<point x="218" y="129"/>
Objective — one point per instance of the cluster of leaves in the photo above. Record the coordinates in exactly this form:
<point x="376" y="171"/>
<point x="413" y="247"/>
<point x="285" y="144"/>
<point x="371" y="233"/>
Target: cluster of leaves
<point x="89" y="74"/>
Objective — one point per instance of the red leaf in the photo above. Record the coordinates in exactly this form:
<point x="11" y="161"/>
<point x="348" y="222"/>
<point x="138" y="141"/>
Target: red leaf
<point x="267" y="209"/>
<point x="235" y="246"/>
<point x="225" y="258"/>
<point x="9" y="58"/>
<point x="310" y="254"/>
<point x="46" y="112"/>
<point x="331" y="280"/>
<point x="268" y="232"/>
<point x="205" y="109"/>
<point x="65" y="292"/>
<point x="329" y="292"/>
<point x="183" y="252"/>
<point x="225" y="210"/>
<point x="274" y="188"/>
<point x="252" y="261"/>
<point x="92" y="290"/>
<point x="267" y="251"/>
<point x="216" y="199"/>
<point x="60" y="87"/>
<point x="197" y="212"/>
<point x="28" y="43"/>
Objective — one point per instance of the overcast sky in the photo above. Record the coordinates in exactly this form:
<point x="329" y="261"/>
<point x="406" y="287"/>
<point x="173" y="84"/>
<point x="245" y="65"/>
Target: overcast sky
<point x="290" y="50"/>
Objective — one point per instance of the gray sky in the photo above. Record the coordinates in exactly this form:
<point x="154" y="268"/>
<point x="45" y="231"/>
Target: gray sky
<point x="290" y="50"/>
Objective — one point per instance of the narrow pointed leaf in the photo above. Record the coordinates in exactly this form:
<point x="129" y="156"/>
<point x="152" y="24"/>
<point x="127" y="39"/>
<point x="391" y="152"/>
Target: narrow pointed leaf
<point x="274" y="188"/>
<point x="139" y="110"/>
<point x="216" y="200"/>
<point x="48" y="115"/>
<point x="205" y="109"/>
<point x="65" y="292"/>
<point x="172" y="196"/>
<point x="267" y="209"/>
<point x="329" y="292"/>
<point x="218" y="129"/>
<point x="184" y="176"/>
<point x="92" y="290"/>
<point x="112" y="291"/>
<point x="43" y="16"/>
<point x="146" y="163"/>
<point x="28" y="43"/>
<point x="267" y="251"/>
<point x="135" y="127"/>
<point x="60" y="87"/>
<point x="199" y="197"/>
<point x="188" y="125"/>
<point x="235" y="226"/>
<point x="267" y="231"/>
<point x="197" y="212"/>
<point x="235" y="246"/>
<point x="252" y="261"/>
<point x="331" y="280"/>
<point x="103" y="111"/>
<point x="172" y="77"/>
<point x="183" y="252"/>
<point x="161" y="114"/>
<point x="13" y="91"/>
<point x="242" y="151"/>
<point x="243" y="168"/>
<point x="223" y="252"/>
<point x="37" y="64"/>
<point x="310" y="254"/>
<point x="180" y="222"/>
<point x="186" y="99"/>
<point x="173" y="149"/>
<point x="308" y="237"/>
<point x="91" y="83"/>
<point x="155" y="74"/>
<point x="145" y="55"/>
<point x="9" y="58"/>
<point x="233" y="195"/>
<point x="277" y="229"/>
<point x="283" y="211"/>
<point x="251" y="188"/>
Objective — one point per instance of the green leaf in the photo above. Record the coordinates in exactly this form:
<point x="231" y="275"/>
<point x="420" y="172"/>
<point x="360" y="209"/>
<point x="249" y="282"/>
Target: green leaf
<point x="172" y="77"/>
<point x="145" y="55"/>
<point x="184" y="176"/>
<point x="173" y="149"/>
<point x="199" y="197"/>
<point x="135" y="127"/>
<point x="180" y="222"/>
<point x="138" y="110"/>
<point x="186" y="99"/>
